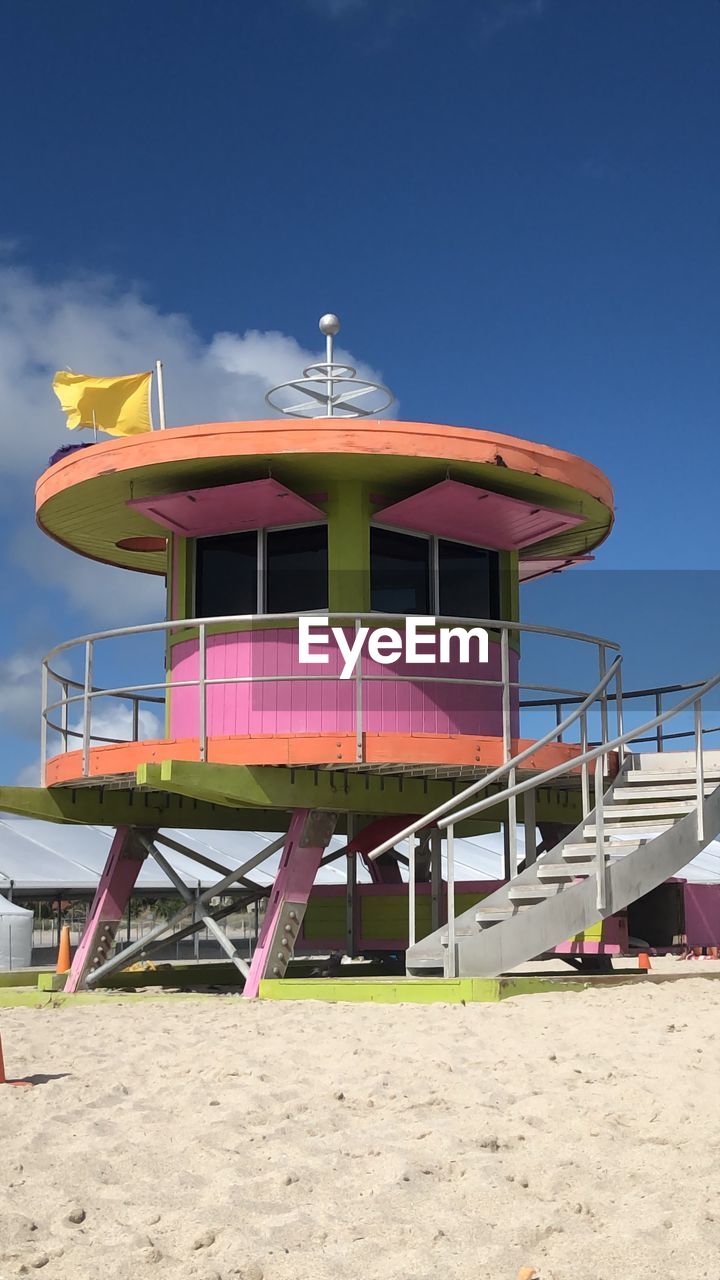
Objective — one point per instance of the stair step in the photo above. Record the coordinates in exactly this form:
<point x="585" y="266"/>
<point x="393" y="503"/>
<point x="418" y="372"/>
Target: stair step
<point x="662" y="810"/>
<point x="617" y="828"/>
<point x="668" y="791"/>
<point x="613" y="849"/>
<point x="531" y="892"/>
<point x="485" y="916"/>
<point x="558" y="872"/>
<point x="641" y="777"/>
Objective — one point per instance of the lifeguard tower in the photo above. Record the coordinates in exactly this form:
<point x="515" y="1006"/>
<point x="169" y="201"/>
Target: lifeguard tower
<point x="211" y="718"/>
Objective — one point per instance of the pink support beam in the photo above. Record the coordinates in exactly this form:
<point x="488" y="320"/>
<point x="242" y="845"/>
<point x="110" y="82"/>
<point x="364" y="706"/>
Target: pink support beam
<point x="308" y="834"/>
<point x="386" y="869"/>
<point x="117" y="882"/>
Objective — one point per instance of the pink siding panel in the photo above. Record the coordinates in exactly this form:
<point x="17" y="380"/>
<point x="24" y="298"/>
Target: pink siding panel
<point x="309" y="705"/>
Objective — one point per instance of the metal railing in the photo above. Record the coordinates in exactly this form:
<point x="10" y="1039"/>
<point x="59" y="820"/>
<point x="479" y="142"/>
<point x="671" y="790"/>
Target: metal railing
<point x="447" y="815"/>
<point x="83" y="695"/>
<point x="658" y="694"/>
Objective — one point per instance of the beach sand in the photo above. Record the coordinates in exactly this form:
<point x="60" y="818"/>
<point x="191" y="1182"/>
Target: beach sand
<point x="578" y="1133"/>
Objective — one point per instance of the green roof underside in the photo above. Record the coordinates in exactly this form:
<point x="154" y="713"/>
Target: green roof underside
<point x="91" y="517"/>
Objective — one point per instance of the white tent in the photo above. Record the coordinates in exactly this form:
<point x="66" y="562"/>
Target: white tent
<point x="16" y="931"/>
<point x="46" y="858"/>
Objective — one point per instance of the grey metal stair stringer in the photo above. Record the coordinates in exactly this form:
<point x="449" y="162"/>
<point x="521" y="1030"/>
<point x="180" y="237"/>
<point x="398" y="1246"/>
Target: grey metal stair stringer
<point x="536" y="929"/>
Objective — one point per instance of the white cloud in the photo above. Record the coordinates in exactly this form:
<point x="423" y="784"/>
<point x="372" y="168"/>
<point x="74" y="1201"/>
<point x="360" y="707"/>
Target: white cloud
<point x="115" y="723"/>
<point x="20" y="693"/>
<point x="92" y="326"/>
<point x="107" y="597"/>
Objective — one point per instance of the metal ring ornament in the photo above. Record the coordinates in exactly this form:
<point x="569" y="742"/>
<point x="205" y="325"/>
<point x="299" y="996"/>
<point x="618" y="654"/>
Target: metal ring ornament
<point x="330" y="403"/>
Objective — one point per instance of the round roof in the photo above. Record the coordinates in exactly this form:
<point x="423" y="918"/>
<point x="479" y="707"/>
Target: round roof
<point x="82" y="500"/>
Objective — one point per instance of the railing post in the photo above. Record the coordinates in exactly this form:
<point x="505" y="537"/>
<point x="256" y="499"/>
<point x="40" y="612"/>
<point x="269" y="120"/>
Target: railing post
<point x="619" y="712"/>
<point x="87" y="708"/>
<point x="135" y="719"/>
<point x="602" y="661"/>
<point x="43" y="720"/>
<point x="584" y="767"/>
<point x="450" y="838"/>
<point x="699" y="770"/>
<point x="530" y="825"/>
<point x="599" y="834"/>
<point x="512" y="826"/>
<point x="659" y="730"/>
<point x="411" y="845"/>
<point x="505" y="691"/>
<point x="64" y="714"/>
<point x="358" y="704"/>
<point x="558" y="718"/>
<point x="202" y="689"/>
<point x="507" y="748"/>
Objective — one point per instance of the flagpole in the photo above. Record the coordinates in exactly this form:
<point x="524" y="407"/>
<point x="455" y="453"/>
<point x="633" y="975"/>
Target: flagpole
<point x="160" y="393"/>
<point x="94" y="426"/>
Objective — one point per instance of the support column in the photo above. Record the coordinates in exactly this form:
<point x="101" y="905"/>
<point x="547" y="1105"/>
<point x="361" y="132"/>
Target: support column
<point x="350" y="891"/>
<point x="386" y="869"/>
<point x="117" y="882"/>
<point x="308" y="834"/>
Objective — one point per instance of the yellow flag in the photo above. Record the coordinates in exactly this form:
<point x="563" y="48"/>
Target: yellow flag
<point x="120" y="406"/>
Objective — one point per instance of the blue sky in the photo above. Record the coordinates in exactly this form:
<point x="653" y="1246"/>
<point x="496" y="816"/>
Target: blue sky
<point x="512" y="203"/>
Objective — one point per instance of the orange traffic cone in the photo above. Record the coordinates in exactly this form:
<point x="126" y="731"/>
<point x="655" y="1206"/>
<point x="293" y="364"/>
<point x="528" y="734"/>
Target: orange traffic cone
<point x="3" y="1077"/>
<point x="64" y="958"/>
<point x="644" y="961"/>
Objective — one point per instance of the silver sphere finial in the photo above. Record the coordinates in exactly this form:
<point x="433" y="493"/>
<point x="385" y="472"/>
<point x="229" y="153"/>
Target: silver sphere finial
<point x="329" y="324"/>
<point x="330" y="389"/>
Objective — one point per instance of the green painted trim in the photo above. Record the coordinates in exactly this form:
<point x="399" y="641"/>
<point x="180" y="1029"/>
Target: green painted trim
<point x="348" y="546"/>
<point x="267" y="786"/>
<point x="413" y="990"/>
<point x="270" y="787"/>
<point x="451" y="990"/>
<point x="98" y="806"/>
<point x="33" y="999"/>
<point x="20" y="977"/>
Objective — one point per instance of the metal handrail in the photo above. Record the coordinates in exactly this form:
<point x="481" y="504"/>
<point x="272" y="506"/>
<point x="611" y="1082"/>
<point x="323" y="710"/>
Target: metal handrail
<point x="658" y="693"/>
<point x="508" y="766"/>
<point x="177" y="624"/>
<point x="88" y="692"/>
<point x="592" y="754"/>
<point x="509" y="794"/>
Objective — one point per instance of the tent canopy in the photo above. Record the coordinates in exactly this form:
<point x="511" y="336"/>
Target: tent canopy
<point x="42" y="858"/>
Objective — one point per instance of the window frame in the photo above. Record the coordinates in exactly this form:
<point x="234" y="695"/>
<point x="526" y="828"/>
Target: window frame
<point x="434" y="539"/>
<point x="261" y="562"/>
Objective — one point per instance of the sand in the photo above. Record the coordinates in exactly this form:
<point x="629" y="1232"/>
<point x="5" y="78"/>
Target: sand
<point x="578" y="1133"/>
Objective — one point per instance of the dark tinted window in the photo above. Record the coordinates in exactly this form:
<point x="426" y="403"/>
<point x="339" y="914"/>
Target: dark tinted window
<point x="297" y="569"/>
<point x="399" y="572"/>
<point x="226" y="575"/>
<point x="469" y="581"/>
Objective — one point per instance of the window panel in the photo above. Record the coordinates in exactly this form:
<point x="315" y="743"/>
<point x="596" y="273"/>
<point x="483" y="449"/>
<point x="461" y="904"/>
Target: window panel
<point x="226" y="575"/>
<point x="297" y="569"/>
<point x="400" y="572"/>
<point x="469" y="581"/>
